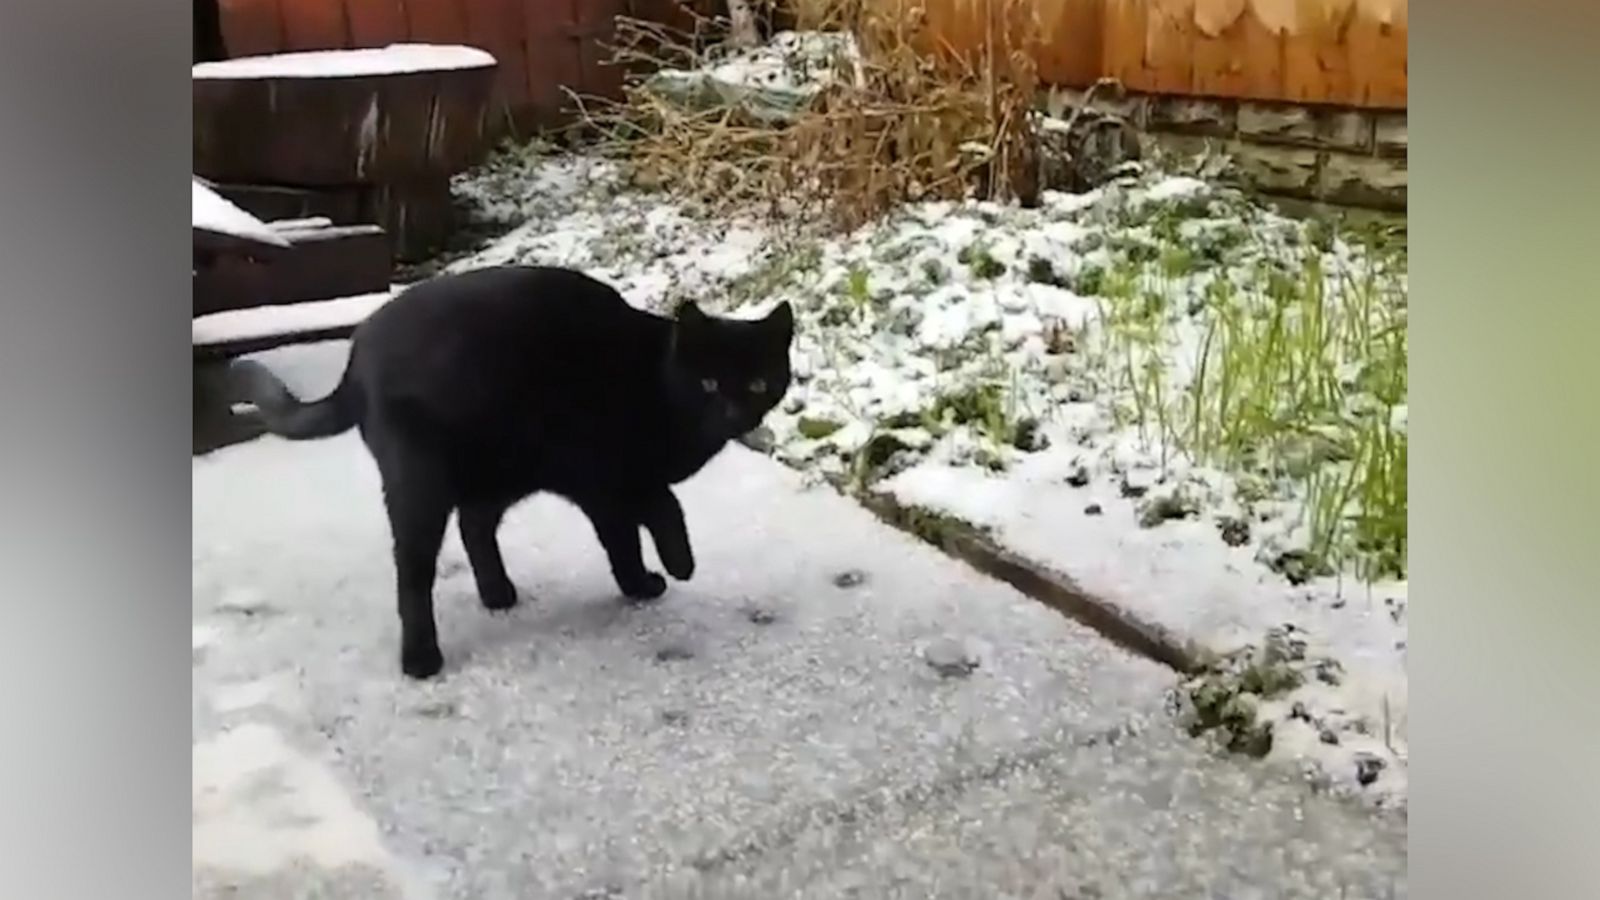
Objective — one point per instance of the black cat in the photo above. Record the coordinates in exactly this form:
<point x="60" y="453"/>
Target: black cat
<point x="474" y="390"/>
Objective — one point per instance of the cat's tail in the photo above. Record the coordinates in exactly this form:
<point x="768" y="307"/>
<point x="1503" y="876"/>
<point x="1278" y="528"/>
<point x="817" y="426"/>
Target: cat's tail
<point x="286" y="415"/>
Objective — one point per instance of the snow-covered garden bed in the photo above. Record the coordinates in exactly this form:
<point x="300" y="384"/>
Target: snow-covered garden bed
<point x="772" y="82"/>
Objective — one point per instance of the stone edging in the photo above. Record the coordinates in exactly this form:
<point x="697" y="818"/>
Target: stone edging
<point x="975" y="547"/>
<point x="1342" y="155"/>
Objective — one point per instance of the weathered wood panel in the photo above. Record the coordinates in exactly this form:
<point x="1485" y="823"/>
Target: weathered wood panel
<point x="1344" y="52"/>
<point x="552" y="59"/>
<point x="443" y="21"/>
<point x="1062" y="36"/>
<point x="1072" y="38"/>
<point x="497" y="26"/>
<point x="322" y="263"/>
<point x="314" y="24"/>
<point x="1377" y="38"/>
<point x="541" y="45"/>
<point x="251" y="27"/>
<point x="339" y="131"/>
<point x="377" y="23"/>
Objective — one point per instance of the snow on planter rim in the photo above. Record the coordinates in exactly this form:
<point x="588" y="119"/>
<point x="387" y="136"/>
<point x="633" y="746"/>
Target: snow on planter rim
<point x="210" y="211"/>
<point x="395" y="59"/>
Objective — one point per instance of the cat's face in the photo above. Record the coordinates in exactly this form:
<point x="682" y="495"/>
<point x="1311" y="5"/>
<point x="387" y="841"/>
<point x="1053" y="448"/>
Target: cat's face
<point x="729" y="373"/>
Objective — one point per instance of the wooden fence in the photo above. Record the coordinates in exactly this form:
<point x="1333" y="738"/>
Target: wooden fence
<point x="542" y="45"/>
<point x="1341" y="52"/>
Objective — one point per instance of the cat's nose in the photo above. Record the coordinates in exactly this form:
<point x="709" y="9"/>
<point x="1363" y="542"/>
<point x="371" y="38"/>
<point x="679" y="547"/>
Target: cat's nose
<point x="736" y="419"/>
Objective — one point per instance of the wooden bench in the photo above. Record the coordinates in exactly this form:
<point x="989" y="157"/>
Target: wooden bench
<point x="259" y="285"/>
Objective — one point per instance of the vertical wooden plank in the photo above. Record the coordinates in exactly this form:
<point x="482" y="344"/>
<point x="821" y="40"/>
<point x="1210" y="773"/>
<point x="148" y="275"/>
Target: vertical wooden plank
<point x="960" y="29"/>
<point x="1169" y="45"/>
<point x="551" y="53"/>
<point x="513" y="20"/>
<point x="952" y="29"/>
<point x="1071" y="32"/>
<point x="314" y="25"/>
<point x="1219" y="48"/>
<point x="1333" y="50"/>
<point x="1378" y="53"/>
<point x="955" y="32"/>
<point x="1124" y="46"/>
<point x="596" y="24"/>
<point x="251" y="27"/>
<point x="377" y="23"/>
<point x="537" y="62"/>
<point x="496" y="26"/>
<point x="1027" y="25"/>
<point x="436" y="21"/>
<point x="1316" y="64"/>
<point x="944" y="36"/>
<point x="1260" y="43"/>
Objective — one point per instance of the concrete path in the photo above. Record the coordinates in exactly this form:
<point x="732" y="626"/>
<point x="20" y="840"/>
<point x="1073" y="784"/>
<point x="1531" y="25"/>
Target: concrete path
<point x="770" y="729"/>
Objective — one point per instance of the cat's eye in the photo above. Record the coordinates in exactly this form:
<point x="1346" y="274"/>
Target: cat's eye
<point x="758" y="386"/>
<point x="709" y="385"/>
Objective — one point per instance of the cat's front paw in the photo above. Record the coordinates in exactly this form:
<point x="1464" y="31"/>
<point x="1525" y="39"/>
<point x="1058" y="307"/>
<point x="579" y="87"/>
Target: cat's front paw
<point x="498" y="597"/>
<point x="421" y="661"/>
<point x="648" y="586"/>
<point x="680" y="564"/>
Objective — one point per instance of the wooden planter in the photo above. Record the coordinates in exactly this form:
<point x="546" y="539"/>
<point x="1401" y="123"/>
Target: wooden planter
<point x="244" y="263"/>
<point x="377" y="132"/>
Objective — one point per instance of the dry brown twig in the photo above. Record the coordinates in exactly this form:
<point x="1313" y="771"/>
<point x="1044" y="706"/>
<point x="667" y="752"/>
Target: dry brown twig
<point x="894" y="122"/>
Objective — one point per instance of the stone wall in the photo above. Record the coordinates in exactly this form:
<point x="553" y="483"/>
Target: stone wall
<point x="1338" y="155"/>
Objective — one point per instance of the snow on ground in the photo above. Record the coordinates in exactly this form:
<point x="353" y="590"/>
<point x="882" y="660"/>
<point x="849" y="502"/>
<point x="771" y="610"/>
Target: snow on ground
<point x="771" y="82"/>
<point x="394" y="59"/>
<point x="800" y="63"/>
<point x="972" y="358"/>
<point x="570" y="212"/>
<point x="769" y="728"/>
<point x="315" y="818"/>
<point x="793" y="61"/>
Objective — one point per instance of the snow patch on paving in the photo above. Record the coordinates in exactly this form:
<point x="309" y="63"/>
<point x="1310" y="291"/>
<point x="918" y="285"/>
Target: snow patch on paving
<point x="260" y="805"/>
<point x="271" y="692"/>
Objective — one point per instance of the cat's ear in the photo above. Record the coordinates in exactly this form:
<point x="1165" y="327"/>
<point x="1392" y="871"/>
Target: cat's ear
<point x="781" y="321"/>
<point x="690" y="313"/>
<point x="687" y="331"/>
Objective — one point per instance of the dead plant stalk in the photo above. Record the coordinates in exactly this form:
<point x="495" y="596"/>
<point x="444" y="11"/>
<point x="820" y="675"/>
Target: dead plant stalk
<point x="892" y="122"/>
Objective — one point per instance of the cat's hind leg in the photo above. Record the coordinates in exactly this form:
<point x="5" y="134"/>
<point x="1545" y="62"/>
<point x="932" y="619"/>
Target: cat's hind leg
<point x="418" y="498"/>
<point x="479" y="523"/>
